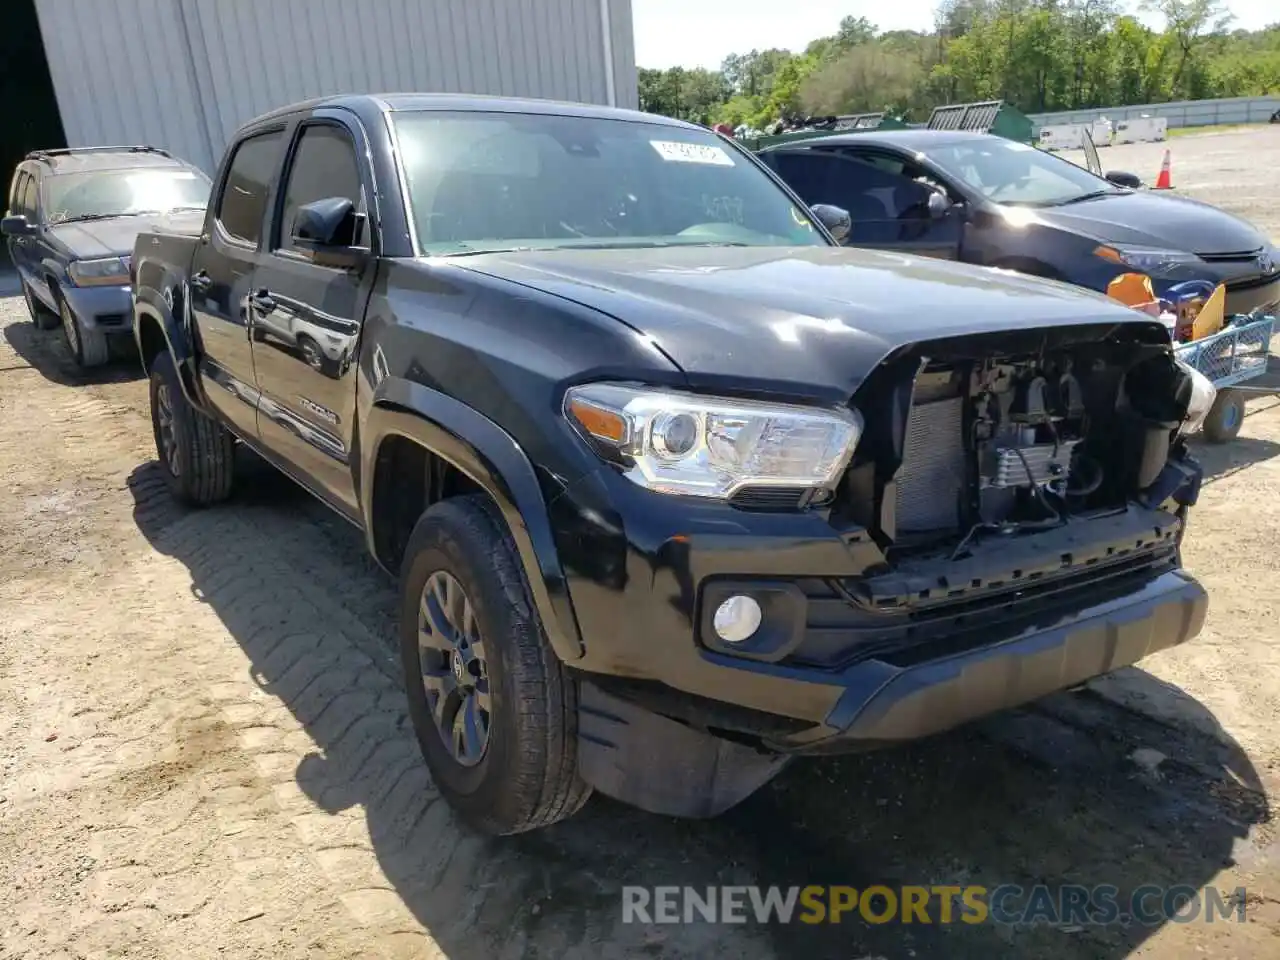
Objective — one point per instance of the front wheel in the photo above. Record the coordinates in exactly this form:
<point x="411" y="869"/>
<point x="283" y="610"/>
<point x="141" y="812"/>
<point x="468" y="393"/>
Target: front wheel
<point x="197" y="454"/>
<point x="88" y="347"/>
<point x="494" y="712"/>
<point x="42" y="318"/>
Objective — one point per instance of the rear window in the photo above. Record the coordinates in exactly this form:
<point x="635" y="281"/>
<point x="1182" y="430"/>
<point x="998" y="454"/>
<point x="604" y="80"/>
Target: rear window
<point x="244" y="193"/>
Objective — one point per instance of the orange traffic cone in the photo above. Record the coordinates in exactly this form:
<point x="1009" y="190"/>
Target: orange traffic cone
<point x="1164" y="181"/>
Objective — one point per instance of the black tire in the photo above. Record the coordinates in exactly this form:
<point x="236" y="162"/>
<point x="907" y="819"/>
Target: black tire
<point x="1225" y="418"/>
<point x="199" y="468"/>
<point x="88" y="348"/>
<point x="42" y="318"/>
<point x="311" y="353"/>
<point x="527" y="777"/>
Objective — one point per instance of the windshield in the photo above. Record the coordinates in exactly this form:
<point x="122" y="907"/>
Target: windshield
<point x="499" y="181"/>
<point x="1008" y="172"/>
<point x="120" y="193"/>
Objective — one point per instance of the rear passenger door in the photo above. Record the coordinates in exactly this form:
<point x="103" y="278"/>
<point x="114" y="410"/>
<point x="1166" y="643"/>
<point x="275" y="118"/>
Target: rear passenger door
<point x="221" y="272"/>
<point x="305" y="317"/>
<point x="888" y="206"/>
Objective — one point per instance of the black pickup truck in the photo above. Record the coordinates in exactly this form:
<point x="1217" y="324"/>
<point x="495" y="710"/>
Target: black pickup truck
<point x="676" y="487"/>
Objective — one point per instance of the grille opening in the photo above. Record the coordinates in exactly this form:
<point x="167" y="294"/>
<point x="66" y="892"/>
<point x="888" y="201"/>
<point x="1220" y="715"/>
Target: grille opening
<point x="1239" y="256"/>
<point x="997" y="448"/>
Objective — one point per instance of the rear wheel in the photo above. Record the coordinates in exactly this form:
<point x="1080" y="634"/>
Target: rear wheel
<point x="88" y="347"/>
<point x="494" y="712"/>
<point x="1225" y="418"/>
<point x="197" y="454"/>
<point x="41" y="316"/>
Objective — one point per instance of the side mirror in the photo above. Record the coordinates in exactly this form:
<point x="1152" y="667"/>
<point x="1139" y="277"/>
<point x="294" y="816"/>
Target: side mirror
<point x="939" y="204"/>
<point x="327" y="229"/>
<point x="1122" y="178"/>
<point x="835" y="219"/>
<point x="16" y="226"/>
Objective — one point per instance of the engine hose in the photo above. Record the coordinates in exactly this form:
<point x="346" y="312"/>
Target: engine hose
<point x="1089" y="488"/>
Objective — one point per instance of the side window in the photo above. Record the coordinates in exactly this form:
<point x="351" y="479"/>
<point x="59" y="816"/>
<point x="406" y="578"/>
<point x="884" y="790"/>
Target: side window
<point x="244" y="194"/>
<point x="30" y="204"/>
<point x="324" y="166"/>
<point x="892" y="183"/>
<point x="15" y="192"/>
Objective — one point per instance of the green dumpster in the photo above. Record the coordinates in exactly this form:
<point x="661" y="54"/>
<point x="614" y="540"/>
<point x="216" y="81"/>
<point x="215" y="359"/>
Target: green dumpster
<point x="989" y="116"/>
<point x="849" y="123"/>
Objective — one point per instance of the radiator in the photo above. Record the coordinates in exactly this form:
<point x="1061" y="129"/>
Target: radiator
<point x="931" y="480"/>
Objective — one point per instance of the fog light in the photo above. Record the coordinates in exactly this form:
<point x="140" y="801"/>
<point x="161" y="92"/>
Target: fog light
<point x="737" y="619"/>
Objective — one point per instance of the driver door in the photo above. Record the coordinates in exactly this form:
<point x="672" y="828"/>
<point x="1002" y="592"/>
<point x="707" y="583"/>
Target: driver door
<point x="889" y="210"/>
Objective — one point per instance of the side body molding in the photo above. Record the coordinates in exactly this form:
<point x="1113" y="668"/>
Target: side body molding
<point x="491" y="458"/>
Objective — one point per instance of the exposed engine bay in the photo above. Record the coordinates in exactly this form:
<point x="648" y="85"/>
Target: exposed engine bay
<point x="978" y="447"/>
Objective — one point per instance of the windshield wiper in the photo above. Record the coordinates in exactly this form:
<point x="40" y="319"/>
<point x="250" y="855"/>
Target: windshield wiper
<point x="1092" y="195"/>
<point x="92" y="216"/>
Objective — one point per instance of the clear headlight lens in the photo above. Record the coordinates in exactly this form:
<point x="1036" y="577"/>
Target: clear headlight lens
<point x="109" y="271"/>
<point x="1203" y="393"/>
<point x="1146" y="259"/>
<point x="674" y="442"/>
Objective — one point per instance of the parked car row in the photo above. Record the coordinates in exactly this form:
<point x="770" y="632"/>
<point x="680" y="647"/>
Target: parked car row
<point x="676" y="487"/>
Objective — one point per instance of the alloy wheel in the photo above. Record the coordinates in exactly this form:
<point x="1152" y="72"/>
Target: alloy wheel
<point x="69" y="328"/>
<point x="165" y="429"/>
<point x="455" y="672"/>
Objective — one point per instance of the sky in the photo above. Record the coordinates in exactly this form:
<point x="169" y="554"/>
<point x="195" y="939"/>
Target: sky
<point x="700" y="33"/>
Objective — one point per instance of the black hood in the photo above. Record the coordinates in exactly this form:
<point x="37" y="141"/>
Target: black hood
<point x="816" y="318"/>
<point x="1157" y="220"/>
<point x="87" y="239"/>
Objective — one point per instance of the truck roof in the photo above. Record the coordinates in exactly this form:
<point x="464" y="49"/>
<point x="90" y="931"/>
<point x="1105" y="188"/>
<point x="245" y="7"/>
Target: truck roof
<point x="405" y="102"/>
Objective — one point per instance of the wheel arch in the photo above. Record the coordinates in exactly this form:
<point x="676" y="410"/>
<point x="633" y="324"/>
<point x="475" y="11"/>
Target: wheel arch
<point x="463" y="451"/>
<point x="155" y="329"/>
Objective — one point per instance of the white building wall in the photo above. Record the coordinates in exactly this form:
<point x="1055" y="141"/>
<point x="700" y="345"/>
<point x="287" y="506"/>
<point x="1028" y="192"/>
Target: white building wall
<point x="184" y="74"/>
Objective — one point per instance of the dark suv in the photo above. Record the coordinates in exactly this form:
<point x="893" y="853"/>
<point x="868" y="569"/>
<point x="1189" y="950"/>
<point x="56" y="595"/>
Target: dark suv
<point x="73" y="216"/>
<point x="676" y="488"/>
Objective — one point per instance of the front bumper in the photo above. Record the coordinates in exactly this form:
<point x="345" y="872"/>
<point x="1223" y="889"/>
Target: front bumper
<point x="109" y="309"/>
<point x="848" y="658"/>
<point x="881" y="704"/>
<point x="1244" y="298"/>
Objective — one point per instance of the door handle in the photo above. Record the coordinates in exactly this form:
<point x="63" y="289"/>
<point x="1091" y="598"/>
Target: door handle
<point x="201" y="280"/>
<point x="262" y="301"/>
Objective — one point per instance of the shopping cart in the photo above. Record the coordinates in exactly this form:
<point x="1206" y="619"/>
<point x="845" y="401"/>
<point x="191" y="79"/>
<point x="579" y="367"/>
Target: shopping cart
<point x="1236" y="355"/>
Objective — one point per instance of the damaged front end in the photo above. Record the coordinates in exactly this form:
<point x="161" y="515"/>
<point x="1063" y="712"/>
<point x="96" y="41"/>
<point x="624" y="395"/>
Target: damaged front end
<point x="1004" y="467"/>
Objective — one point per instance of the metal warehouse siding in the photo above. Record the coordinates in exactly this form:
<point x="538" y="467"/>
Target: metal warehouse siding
<point x="183" y="74"/>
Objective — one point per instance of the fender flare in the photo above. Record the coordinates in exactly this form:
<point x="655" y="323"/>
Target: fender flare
<point x="491" y="458"/>
<point x="149" y="304"/>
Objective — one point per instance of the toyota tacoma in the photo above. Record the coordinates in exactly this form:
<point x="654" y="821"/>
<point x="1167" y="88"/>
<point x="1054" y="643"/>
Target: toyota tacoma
<point x="676" y="487"/>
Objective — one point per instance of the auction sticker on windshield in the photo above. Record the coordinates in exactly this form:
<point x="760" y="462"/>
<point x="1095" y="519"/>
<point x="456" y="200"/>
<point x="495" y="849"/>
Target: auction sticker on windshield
<point x="677" y="152"/>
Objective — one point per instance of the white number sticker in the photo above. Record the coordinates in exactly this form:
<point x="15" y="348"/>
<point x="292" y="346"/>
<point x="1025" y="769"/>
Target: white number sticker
<point x="677" y="152"/>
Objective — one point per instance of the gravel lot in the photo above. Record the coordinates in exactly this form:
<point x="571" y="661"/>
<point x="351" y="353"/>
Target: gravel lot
<point x="204" y="753"/>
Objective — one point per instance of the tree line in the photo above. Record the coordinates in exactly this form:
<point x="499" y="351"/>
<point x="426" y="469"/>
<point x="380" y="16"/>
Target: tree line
<point x="1040" y="55"/>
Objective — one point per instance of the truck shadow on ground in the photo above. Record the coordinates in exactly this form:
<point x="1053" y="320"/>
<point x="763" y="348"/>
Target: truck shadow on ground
<point x="47" y="352"/>
<point x="1085" y="788"/>
<point x="1221" y="460"/>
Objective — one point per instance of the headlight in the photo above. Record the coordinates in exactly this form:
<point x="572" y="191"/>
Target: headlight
<point x="1203" y="393"/>
<point x="109" y="271"/>
<point x="1148" y="260"/>
<point x="684" y="443"/>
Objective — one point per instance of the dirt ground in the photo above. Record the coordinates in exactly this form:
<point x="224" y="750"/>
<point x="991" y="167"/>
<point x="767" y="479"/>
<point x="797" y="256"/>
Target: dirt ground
<point x="204" y="751"/>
